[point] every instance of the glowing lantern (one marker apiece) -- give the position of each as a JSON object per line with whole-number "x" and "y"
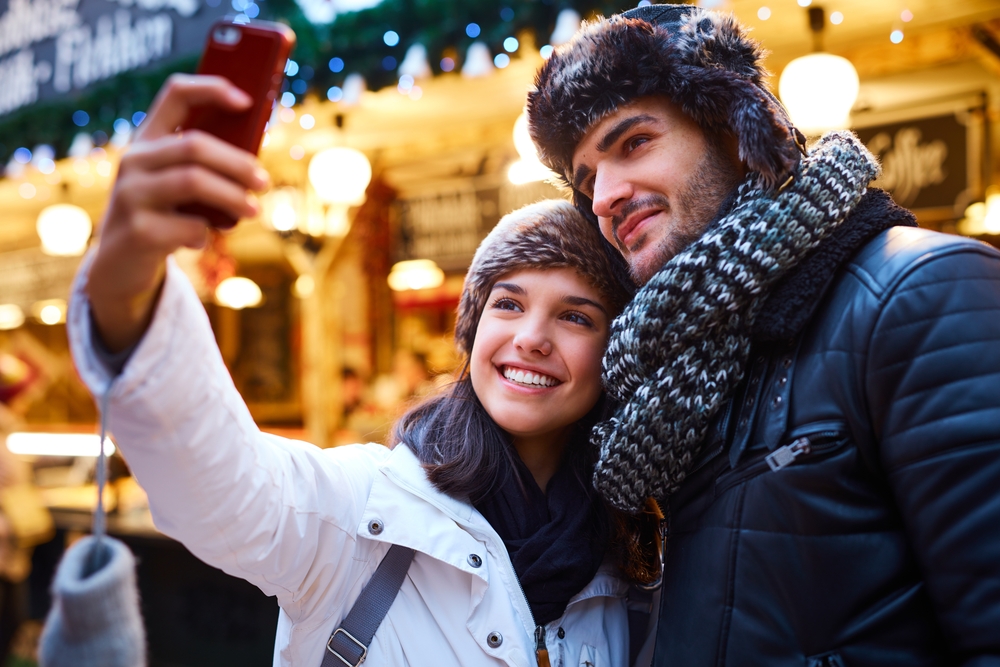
{"x": 415, "y": 274}
{"x": 238, "y": 293}
{"x": 819, "y": 90}
{"x": 528, "y": 168}
{"x": 64, "y": 229}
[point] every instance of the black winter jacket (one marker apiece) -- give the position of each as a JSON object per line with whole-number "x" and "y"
{"x": 872, "y": 535}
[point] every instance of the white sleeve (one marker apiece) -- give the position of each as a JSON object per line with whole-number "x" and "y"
{"x": 279, "y": 513}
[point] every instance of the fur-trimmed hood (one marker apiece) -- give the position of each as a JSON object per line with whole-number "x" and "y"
{"x": 546, "y": 235}
{"x": 702, "y": 60}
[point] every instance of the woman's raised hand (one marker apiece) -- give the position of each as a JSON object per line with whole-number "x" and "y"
{"x": 163, "y": 169}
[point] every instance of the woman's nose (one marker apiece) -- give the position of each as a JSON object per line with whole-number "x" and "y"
{"x": 533, "y": 337}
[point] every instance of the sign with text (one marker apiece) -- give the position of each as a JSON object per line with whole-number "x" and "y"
{"x": 926, "y": 162}
{"x": 448, "y": 224}
{"x": 52, "y": 48}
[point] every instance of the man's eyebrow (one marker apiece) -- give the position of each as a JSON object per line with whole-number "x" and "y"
{"x": 583, "y": 301}
{"x": 607, "y": 141}
{"x": 510, "y": 287}
{"x": 618, "y": 130}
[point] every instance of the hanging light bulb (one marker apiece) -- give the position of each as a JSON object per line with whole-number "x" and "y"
{"x": 415, "y": 274}
{"x": 567, "y": 23}
{"x": 983, "y": 218}
{"x": 354, "y": 87}
{"x": 11, "y": 316}
{"x": 238, "y": 293}
{"x": 340, "y": 175}
{"x": 528, "y": 169}
{"x": 49, "y": 311}
{"x": 478, "y": 61}
{"x": 64, "y": 229}
{"x": 281, "y": 209}
{"x": 415, "y": 62}
{"x": 819, "y": 89}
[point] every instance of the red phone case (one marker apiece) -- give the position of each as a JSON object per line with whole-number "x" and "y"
{"x": 252, "y": 56}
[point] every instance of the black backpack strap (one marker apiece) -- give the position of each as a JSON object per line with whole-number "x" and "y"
{"x": 348, "y": 645}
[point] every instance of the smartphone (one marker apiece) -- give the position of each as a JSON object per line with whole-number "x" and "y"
{"x": 252, "y": 56}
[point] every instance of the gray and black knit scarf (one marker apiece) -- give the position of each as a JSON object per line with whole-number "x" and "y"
{"x": 679, "y": 349}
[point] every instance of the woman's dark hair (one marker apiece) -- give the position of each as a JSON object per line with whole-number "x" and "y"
{"x": 458, "y": 443}
{"x": 464, "y": 451}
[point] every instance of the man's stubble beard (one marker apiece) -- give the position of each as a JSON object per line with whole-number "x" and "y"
{"x": 698, "y": 204}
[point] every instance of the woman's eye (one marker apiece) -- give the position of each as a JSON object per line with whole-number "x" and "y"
{"x": 503, "y": 303}
{"x": 578, "y": 318}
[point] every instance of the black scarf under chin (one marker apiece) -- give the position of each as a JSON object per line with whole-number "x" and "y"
{"x": 555, "y": 538}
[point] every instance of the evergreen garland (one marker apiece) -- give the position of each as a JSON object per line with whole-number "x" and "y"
{"x": 354, "y": 37}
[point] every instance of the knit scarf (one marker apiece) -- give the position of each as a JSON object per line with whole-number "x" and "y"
{"x": 679, "y": 349}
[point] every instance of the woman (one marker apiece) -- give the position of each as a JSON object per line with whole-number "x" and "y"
{"x": 488, "y": 483}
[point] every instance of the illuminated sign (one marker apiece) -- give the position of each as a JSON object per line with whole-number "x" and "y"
{"x": 52, "y": 48}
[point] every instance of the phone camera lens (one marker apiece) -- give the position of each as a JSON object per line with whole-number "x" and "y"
{"x": 228, "y": 35}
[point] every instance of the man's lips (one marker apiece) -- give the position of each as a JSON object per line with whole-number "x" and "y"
{"x": 629, "y": 231}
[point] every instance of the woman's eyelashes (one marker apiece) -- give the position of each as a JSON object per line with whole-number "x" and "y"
{"x": 577, "y": 317}
{"x": 571, "y": 316}
{"x": 505, "y": 303}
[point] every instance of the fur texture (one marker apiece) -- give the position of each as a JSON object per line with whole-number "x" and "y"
{"x": 546, "y": 235}
{"x": 702, "y": 60}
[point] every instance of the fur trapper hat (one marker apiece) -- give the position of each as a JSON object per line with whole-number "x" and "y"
{"x": 549, "y": 234}
{"x": 702, "y": 60}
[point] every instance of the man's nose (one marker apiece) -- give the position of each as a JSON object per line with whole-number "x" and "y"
{"x": 611, "y": 191}
{"x": 533, "y": 337}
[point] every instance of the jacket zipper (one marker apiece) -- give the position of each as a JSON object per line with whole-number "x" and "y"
{"x": 785, "y": 456}
{"x": 810, "y": 443}
{"x": 541, "y": 653}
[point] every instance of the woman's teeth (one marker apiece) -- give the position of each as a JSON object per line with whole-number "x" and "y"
{"x": 525, "y": 377}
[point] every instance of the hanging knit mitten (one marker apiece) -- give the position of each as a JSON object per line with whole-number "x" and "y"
{"x": 95, "y": 619}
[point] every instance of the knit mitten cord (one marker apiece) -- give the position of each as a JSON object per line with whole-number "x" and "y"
{"x": 679, "y": 349}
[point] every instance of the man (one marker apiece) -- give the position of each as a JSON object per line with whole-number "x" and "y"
{"x": 809, "y": 386}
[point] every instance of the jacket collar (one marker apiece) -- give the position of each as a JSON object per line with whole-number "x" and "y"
{"x": 427, "y": 524}
{"x": 795, "y": 298}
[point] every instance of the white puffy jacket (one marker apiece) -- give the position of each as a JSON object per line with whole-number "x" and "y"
{"x": 293, "y": 519}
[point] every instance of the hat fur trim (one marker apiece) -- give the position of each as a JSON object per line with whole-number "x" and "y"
{"x": 549, "y": 234}
{"x": 702, "y": 60}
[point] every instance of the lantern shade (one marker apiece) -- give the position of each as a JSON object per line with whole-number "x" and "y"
{"x": 11, "y": 316}
{"x": 415, "y": 274}
{"x": 64, "y": 229}
{"x": 340, "y": 175}
{"x": 819, "y": 90}
{"x": 529, "y": 168}
{"x": 238, "y": 293}
{"x": 478, "y": 61}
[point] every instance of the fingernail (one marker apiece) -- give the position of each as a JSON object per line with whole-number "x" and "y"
{"x": 241, "y": 96}
{"x": 263, "y": 178}
{"x": 253, "y": 203}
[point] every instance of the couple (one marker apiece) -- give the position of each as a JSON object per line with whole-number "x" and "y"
{"x": 802, "y": 398}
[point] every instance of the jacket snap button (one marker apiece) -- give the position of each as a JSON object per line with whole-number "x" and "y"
{"x": 750, "y": 402}
{"x": 475, "y": 560}
{"x": 561, "y": 634}
{"x": 776, "y": 402}
{"x": 786, "y": 362}
{"x": 375, "y": 527}
{"x": 783, "y": 381}
{"x": 494, "y": 639}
